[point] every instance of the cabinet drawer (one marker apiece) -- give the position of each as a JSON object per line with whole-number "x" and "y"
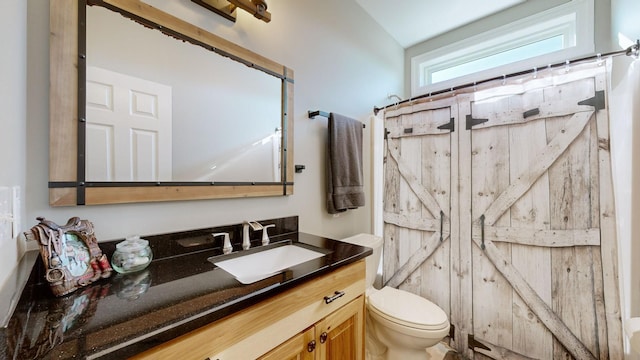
{"x": 255, "y": 330}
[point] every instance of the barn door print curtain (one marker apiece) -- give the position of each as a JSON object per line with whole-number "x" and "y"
{"x": 498, "y": 207}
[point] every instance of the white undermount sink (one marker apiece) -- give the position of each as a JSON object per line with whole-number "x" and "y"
{"x": 260, "y": 265}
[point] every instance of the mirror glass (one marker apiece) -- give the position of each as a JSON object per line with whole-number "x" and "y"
{"x": 162, "y": 109}
{"x": 145, "y": 127}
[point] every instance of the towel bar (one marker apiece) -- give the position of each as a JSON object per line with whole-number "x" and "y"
{"x": 314, "y": 113}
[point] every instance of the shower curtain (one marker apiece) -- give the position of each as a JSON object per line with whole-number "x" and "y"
{"x": 498, "y": 206}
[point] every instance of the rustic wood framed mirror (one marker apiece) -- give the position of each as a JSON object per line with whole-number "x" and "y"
{"x": 74, "y": 177}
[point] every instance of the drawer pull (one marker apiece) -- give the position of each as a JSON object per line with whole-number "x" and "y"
{"x": 336, "y": 295}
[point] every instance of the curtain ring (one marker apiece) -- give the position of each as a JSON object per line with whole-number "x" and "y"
{"x": 398, "y": 99}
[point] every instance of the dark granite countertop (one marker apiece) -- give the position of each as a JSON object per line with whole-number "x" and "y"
{"x": 180, "y": 291}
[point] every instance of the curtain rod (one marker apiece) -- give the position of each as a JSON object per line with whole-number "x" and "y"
{"x": 633, "y": 50}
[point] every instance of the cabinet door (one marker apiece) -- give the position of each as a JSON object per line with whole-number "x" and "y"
{"x": 296, "y": 348}
{"x": 340, "y": 336}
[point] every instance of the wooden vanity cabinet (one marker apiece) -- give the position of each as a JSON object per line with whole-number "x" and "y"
{"x": 284, "y": 326}
{"x": 339, "y": 336}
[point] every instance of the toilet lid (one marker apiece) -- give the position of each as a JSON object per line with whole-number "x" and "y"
{"x": 407, "y": 309}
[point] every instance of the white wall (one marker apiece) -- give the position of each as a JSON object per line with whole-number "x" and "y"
{"x": 625, "y": 132}
{"x": 343, "y": 62}
{"x": 13, "y": 94}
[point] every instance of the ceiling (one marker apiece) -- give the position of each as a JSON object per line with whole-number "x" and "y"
{"x": 414, "y": 21}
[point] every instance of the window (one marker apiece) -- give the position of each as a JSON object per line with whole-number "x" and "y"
{"x": 560, "y": 33}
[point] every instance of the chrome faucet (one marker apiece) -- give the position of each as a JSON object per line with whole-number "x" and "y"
{"x": 246, "y": 239}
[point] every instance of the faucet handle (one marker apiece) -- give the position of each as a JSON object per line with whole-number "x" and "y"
{"x": 226, "y": 247}
{"x": 255, "y": 226}
{"x": 265, "y": 236}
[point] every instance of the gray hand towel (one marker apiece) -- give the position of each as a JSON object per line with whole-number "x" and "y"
{"x": 345, "y": 182}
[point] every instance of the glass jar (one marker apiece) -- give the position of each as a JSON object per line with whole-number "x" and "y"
{"x": 132, "y": 254}
{"x": 132, "y": 286}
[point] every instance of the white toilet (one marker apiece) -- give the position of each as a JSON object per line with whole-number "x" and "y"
{"x": 405, "y": 323}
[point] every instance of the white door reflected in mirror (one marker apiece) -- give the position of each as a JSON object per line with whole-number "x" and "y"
{"x": 128, "y": 132}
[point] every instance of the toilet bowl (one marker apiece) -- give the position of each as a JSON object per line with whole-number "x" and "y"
{"x": 406, "y": 323}
{"x": 400, "y": 325}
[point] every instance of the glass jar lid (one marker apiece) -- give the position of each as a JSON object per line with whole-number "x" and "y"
{"x": 132, "y": 244}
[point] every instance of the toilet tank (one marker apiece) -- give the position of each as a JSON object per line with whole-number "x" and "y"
{"x": 373, "y": 260}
